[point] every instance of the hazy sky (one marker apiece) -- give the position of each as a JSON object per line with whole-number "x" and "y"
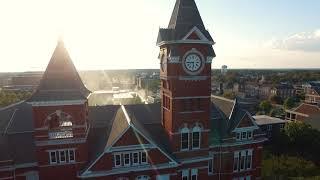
{"x": 105, "y": 34}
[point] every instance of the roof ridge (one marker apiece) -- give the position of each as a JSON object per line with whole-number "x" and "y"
{"x": 222, "y": 98}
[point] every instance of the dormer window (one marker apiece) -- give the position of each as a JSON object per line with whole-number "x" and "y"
{"x": 244, "y": 135}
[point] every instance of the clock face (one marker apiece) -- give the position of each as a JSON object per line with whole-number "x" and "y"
{"x": 193, "y": 62}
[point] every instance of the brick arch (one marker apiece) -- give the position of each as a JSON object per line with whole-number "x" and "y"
{"x": 58, "y": 119}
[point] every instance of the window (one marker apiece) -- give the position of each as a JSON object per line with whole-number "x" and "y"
{"x": 249, "y": 134}
{"x": 62, "y": 156}
{"x": 185, "y": 139}
{"x": 135, "y": 158}
{"x": 194, "y": 174}
{"x": 117, "y": 160}
{"x": 185, "y": 174}
{"x": 281, "y": 126}
{"x": 53, "y": 157}
{"x": 210, "y": 166}
{"x": 143, "y": 177}
{"x": 244, "y": 135}
{"x": 238, "y": 137}
{"x": 187, "y": 104}
{"x": 269, "y": 127}
{"x": 196, "y": 137}
{"x": 249, "y": 159}
{"x": 242, "y": 160}
{"x": 71, "y": 155}
{"x": 130, "y": 158}
{"x": 199, "y": 104}
{"x": 126, "y": 159}
{"x": 143, "y": 157}
{"x": 236, "y": 161}
{"x": 293, "y": 116}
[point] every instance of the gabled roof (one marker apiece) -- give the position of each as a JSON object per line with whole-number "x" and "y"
{"x": 16, "y": 133}
{"x": 185, "y": 16}
{"x": 16, "y": 118}
{"x": 224, "y": 104}
{"x": 61, "y": 80}
{"x": 308, "y": 109}
{"x": 226, "y": 115}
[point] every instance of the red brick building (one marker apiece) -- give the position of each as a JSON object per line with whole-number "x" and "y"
{"x": 189, "y": 136}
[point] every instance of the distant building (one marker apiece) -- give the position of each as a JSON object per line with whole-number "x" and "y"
{"x": 270, "y": 125}
{"x": 27, "y": 81}
{"x": 224, "y": 69}
{"x": 283, "y": 90}
{"x": 302, "y": 112}
{"x": 312, "y": 92}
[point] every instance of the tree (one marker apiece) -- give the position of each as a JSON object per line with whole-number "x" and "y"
{"x": 277, "y": 112}
{"x": 288, "y": 103}
{"x": 265, "y": 106}
{"x": 275, "y": 99}
{"x": 288, "y": 167}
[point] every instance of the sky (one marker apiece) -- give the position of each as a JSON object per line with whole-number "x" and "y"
{"x": 122, "y": 34}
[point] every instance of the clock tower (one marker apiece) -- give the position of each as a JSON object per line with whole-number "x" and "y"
{"x": 185, "y": 57}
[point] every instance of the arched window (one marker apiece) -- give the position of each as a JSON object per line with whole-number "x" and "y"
{"x": 60, "y": 125}
{"x": 143, "y": 177}
{"x": 184, "y": 138}
{"x": 196, "y": 137}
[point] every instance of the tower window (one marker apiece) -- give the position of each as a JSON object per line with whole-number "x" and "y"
{"x": 62, "y": 156}
{"x": 194, "y": 174}
{"x": 185, "y": 174}
{"x": 185, "y": 139}
{"x": 196, "y": 137}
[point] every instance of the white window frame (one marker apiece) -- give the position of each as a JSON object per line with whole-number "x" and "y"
{"x": 251, "y": 134}
{"x": 194, "y": 172}
{"x": 245, "y": 135}
{"x": 124, "y": 159}
{"x": 65, "y": 156}
{"x": 71, "y": 151}
{"x": 185, "y": 174}
{"x": 238, "y": 136}
{"x": 146, "y": 155}
{"x": 138, "y": 158}
{"x": 243, "y": 163}
{"x": 55, "y": 156}
{"x": 115, "y": 160}
{"x": 211, "y": 163}
{"x": 143, "y": 177}
{"x": 196, "y": 129}
{"x": 269, "y": 127}
{"x": 249, "y": 154}
{"x": 184, "y": 131}
{"x": 236, "y": 160}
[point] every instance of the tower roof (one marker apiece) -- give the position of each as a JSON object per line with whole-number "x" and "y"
{"x": 61, "y": 80}
{"x": 185, "y": 16}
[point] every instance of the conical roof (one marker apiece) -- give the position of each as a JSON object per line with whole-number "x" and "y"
{"x": 184, "y": 17}
{"x": 61, "y": 80}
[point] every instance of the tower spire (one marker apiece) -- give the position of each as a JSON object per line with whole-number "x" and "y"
{"x": 60, "y": 80}
{"x": 185, "y": 16}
